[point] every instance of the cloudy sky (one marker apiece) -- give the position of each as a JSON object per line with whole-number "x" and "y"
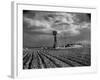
{"x": 71, "y": 27}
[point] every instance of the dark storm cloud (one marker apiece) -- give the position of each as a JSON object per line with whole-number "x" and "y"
{"x": 81, "y": 17}
{"x": 28, "y": 13}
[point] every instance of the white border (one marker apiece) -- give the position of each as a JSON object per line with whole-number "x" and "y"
{"x": 17, "y": 70}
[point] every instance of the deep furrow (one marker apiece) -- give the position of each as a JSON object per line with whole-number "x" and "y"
{"x": 48, "y": 62}
{"x": 67, "y": 61}
{"x": 56, "y": 61}
{"x": 25, "y": 59}
{"x": 43, "y": 62}
{"x": 80, "y": 57}
{"x": 78, "y": 61}
{"x": 35, "y": 61}
{"x": 30, "y": 63}
{"x": 25, "y": 54}
{"x": 40, "y": 61}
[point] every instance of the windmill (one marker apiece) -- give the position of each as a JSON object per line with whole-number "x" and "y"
{"x": 55, "y": 38}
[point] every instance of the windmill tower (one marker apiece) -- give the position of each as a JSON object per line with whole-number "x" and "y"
{"x": 55, "y": 38}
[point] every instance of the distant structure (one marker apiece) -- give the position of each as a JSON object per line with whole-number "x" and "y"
{"x": 55, "y": 38}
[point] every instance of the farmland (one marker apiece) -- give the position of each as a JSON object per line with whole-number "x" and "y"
{"x": 37, "y": 58}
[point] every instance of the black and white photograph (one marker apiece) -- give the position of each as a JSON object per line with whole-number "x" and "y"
{"x": 53, "y": 40}
{"x": 56, "y": 39}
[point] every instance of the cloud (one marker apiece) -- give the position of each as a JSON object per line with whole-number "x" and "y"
{"x": 35, "y": 22}
{"x": 46, "y": 22}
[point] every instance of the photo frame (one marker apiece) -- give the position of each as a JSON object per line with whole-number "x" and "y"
{"x": 34, "y": 29}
